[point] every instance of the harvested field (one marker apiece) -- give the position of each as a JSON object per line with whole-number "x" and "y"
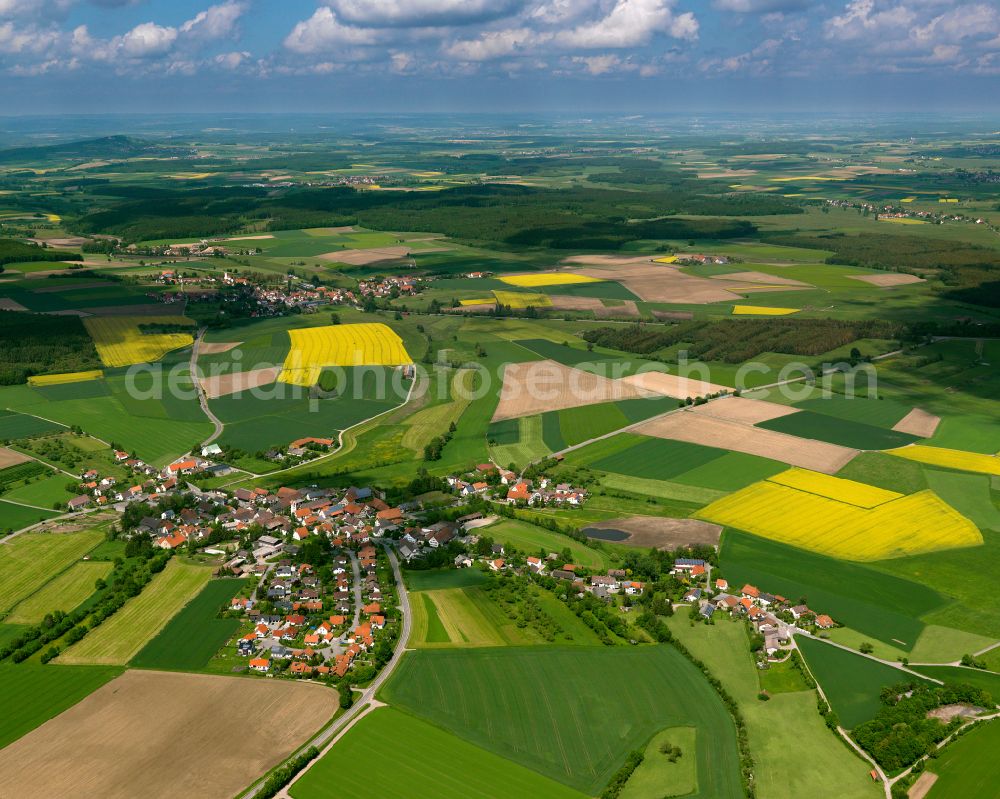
{"x": 711, "y": 432}
{"x": 922, "y": 786}
{"x": 760, "y": 277}
{"x": 888, "y": 279}
{"x": 215, "y": 347}
{"x": 747, "y": 411}
{"x": 672, "y": 385}
{"x": 251, "y": 238}
{"x": 564, "y": 302}
{"x": 662, "y": 283}
{"x": 9, "y": 457}
{"x": 627, "y": 310}
{"x": 7, "y": 304}
{"x": 374, "y": 255}
{"x": 129, "y": 723}
{"x": 224, "y": 385}
{"x": 607, "y": 260}
{"x": 656, "y": 531}
{"x": 918, "y": 423}
{"x": 540, "y": 386}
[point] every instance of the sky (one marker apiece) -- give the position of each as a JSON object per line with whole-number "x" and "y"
{"x": 666, "y": 56}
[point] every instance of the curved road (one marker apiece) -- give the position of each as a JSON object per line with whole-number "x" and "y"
{"x": 364, "y": 704}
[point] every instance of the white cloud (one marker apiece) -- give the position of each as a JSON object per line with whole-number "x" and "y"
{"x": 147, "y": 39}
{"x": 216, "y": 22}
{"x": 233, "y": 60}
{"x": 495, "y": 44}
{"x": 323, "y": 31}
{"x": 759, "y": 6}
{"x": 861, "y": 19}
{"x": 632, "y": 23}
{"x": 407, "y": 13}
{"x": 599, "y": 64}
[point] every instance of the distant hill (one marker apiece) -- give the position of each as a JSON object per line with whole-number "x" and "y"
{"x": 111, "y": 147}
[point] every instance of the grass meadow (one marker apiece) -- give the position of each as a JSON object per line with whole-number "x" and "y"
{"x": 429, "y": 763}
{"x": 31, "y": 695}
{"x": 117, "y": 640}
{"x": 15, "y": 517}
{"x": 968, "y": 767}
{"x": 29, "y": 561}
{"x": 531, "y": 539}
{"x": 190, "y": 638}
{"x": 524, "y": 704}
{"x": 64, "y": 592}
{"x": 784, "y": 732}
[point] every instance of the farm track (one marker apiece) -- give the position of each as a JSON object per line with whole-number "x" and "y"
{"x": 202, "y": 399}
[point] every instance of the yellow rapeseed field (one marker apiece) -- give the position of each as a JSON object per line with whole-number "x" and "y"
{"x": 547, "y": 279}
{"x": 759, "y": 310}
{"x": 120, "y": 341}
{"x": 913, "y": 524}
{"x": 522, "y": 299}
{"x": 65, "y": 377}
{"x": 667, "y": 259}
{"x": 363, "y": 344}
{"x": 483, "y": 301}
{"x": 950, "y": 458}
{"x": 850, "y": 491}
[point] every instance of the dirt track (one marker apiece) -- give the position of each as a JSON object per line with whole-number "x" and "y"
{"x": 156, "y": 734}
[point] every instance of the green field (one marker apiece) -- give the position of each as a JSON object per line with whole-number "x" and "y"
{"x": 987, "y": 680}
{"x": 435, "y": 631}
{"x": 783, "y": 732}
{"x": 852, "y": 683}
{"x": 782, "y": 678}
{"x": 969, "y": 494}
{"x": 657, "y": 776}
{"x": 31, "y": 695}
{"x": 886, "y": 471}
{"x": 21, "y": 425}
{"x": 29, "y": 561}
{"x": 658, "y": 459}
{"x": 731, "y": 472}
{"x": 119, "y": 639}
{"x": 846, "y": 432}
{"x": 191, "y": 637}
{"x": 425, "y": 763}
{"x": 855, "y": 595}
{"x": 969, "y": 767}
{"x": 436, "y": 579}
{"x": 945, "y": 644}
{"x": 64, "y": 592}
{"x": 528, "y": 445}
{"x": 15, "y": 517}
{"x": 531, "y": 539}
{"x": 42, "y": 493}
{"x": 882, "y": 413}
{"x": 524, "y": 704}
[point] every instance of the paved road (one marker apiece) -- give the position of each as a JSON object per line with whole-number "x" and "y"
{"x": 367, "y": 701}
{"x": 356, "y": 569}
{"x": 202, "y": 399}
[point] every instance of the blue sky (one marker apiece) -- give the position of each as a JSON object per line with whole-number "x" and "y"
{"x": 498, "y": 55}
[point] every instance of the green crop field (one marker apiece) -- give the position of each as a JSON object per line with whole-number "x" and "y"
{"x": 886, "y": 471}
{"x": 21, "y": 425}
{"x": 190, "y": 638}
{"x": 117, "y": 640}
{"x": 854, "y": 595}
{"x": 851, "y": 682}
{"x": 29, "y": 561}
{"x": 878, "y": 412}
{"x": 658, "y": 459}
{"x": 64, "y": 592}
{"x": 566, "y": 354}
{"x": 528, "y": 446}
{"x": 431, "y": 764}
{"x": 427, "y": 621}
{"x": 784, "y": 732}
{"x": 946, "y": 644}
{"x": 42, "y": 493}
{"x": 19, "y": 474}
{"x": 531, "y": 540}
{"x": 987, "y": 680}
{"x": 31, "y": 695}
{"x": 969, "y": 494}
{"x": 731, "y": 472}
{"x": 524, "y": 704}
{"x": 506, "y": 431}
{"x": 14, "y": 517}
{"x": 436, "y": 579}
{"x": 846, "y": 432}
{"x": 968, "y": 768}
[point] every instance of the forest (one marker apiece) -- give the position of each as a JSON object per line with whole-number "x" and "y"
{"x": 13, "y": 251}
{"x": 969, "y": 273}
{"x": 513, "y": 215}
{"x": 33, "y": 344}
{"x": 736, "y": 340}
